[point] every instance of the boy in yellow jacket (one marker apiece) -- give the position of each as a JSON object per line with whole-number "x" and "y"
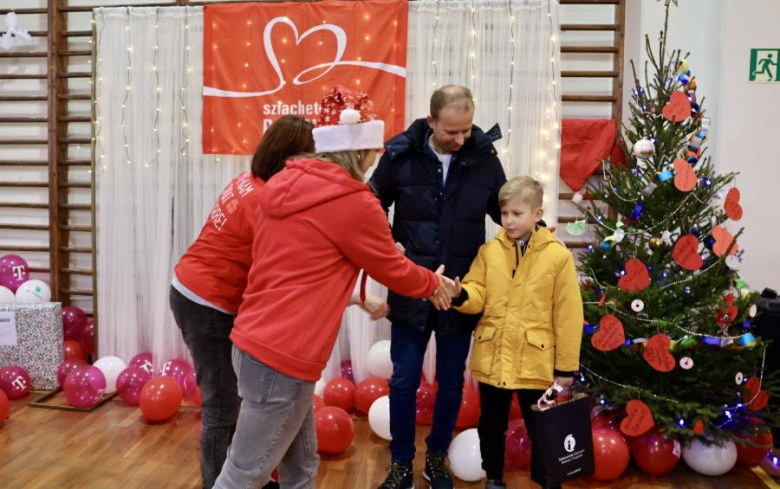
{"x": 525, "y": 285}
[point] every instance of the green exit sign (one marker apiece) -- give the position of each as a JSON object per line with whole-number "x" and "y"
{"x": 764, "y": 66}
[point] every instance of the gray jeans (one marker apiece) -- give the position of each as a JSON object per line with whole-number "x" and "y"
{"x": 275, "y": 428}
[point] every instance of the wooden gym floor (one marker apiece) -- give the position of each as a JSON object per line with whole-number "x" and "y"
{"x": 114, "y": 446}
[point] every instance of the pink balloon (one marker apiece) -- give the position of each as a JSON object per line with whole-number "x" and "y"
{"x": 130, "y": 383}
{"x": 88, "y": 338}
{"x": 178, "y": 369}
{"x": 144, "y": 361}
{"x": 73, "y": 322}
{"x": 84, "y": 386}
{"x": 15, "y": 382}
{"x": 14, "y": 271}
{"x": 517, "y": 454}
{"x": 192, "y": 391}
{"x": 67, "y": 366}
{"x": 346, "y": 370}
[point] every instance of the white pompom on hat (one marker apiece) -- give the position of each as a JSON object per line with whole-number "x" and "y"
{"x": 347, "y": 122}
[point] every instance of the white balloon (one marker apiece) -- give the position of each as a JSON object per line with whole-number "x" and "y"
{"x": 465, "y": 457}
{"x": 710, "y": 460}
{"x": 379, "y": 417}
{"x": 379, "y": 362}
{"x": 33, "y": 292}
{"x": 111, "y": 368}
{"x": 6, "y": 295}
{"x": 319, "y": 387}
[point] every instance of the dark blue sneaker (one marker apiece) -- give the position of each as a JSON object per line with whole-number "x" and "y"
{"x": 401, "y": 476}
{"x": 436, "y": 471}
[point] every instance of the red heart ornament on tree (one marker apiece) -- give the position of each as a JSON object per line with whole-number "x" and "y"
{"x": 759, "y": 401}
{"x": 732, "y": 206}
{"x": 657, "y": 353}
{"x": 678, "y": 109}
{"x": 636, "y": 278}
{"x": 752, "y": 386}
{"x": 686, "y": 253}
{"x": 639, "y": 419}
{"x": 610, "y": 334}
{"x": 723, "y": 240}
{"x": 685, "y": 178}
{"x": 698, "y": 428}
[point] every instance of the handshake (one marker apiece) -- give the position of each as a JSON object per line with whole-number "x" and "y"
{"x": 445, "y": 292}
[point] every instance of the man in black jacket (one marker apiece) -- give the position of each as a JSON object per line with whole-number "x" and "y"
{"x": 443, "y": 176}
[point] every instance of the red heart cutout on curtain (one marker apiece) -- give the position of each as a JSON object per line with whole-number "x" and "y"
{"x": 657, "y": 353}
{"x": 610, "y": 334}
{"x": 685, "y": 178}
{"x": 679, "y": 108}
{"x": 686, "y": 253}
{"x": 639, "y": 419}
{"x": 636, "y": 278}
{"x": 732, "y": 206}
{"x": 723, "y": 240}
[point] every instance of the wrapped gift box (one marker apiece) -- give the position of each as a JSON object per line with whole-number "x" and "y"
{"x": 38, "y": 341}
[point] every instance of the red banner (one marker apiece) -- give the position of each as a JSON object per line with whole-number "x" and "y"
{"x": 265, "y": 60}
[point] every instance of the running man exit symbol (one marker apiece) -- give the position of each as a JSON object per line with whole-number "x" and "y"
{"x": 764, "y": 66}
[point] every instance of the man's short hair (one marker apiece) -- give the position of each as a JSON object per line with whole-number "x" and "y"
{"x": 451, "y": 96}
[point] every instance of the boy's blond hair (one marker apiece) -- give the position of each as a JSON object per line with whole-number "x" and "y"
{"x": 529, "y": 191}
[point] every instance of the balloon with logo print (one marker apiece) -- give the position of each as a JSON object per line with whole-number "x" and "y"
{"x": 15, "y": 382}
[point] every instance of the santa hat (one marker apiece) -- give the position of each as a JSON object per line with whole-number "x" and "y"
{"x": 347, "y": 122}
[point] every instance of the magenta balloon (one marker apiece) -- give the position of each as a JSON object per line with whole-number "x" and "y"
{"x": 14, "y": 271}
{"x": 73, "y": 322}
{"x": 66, "y": 367}
{"x": 346, "y": 370}
{"x": 88, "y": 338}
{"x": 15, "y": 382}
{"x": 143, "y": 360}
{"x": 84, "y": 386}
{"x": 178, "y": 369}
{"x": 130, "y": 383}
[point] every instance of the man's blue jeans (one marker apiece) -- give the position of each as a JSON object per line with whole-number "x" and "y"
{"x": 407, "y": 350}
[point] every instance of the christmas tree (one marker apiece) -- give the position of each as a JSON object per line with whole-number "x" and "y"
{"x": 668, "y": 319}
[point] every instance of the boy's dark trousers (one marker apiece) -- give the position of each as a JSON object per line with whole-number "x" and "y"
{"x": 494, "y": 420}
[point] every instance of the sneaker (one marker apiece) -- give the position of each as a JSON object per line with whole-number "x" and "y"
{"x": 436, "y": 471}
{"x": 495, "y": 484}
{"x": 401, "y": 476}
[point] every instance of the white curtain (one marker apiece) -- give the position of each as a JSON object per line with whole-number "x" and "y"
{"x": 154, "y": 187}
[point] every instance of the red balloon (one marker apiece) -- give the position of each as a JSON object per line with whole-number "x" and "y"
{"x": 335, "y": 430}
{"x": 160, "y": 398}
{"x": 84, "y": 386}
{"x": 339, "y": 392}
{"x": 517, "y": 452}
{"x": 426, "y": 398}
{"x": 4, "y": 407}
{"x": 66, "y": 367}
{"x": 514, "y": 411}
{"x": 468, "y": 417}
{"x": 369, "y": 391}
{"x": 191, "y": 388}
{"x": 610, "y": 453}
{"x": 753, "y": 455}
{"x": 318, "y": 402}
{"x": 15, "y": 381}
{"x": 73, "y": 349}
{"x": 654, "y": 454}
{"x": 73, "y": 322}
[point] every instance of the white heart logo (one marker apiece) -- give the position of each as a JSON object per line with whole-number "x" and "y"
{"x": 341, "y": 46}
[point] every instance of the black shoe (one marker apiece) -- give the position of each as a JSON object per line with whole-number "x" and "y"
{"x": 271, "y": 485}
{"x": 401, "y": 476}
{"x": 436, "y": 471}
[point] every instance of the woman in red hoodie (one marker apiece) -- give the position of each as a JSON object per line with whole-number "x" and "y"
{"x": 209, "y": 281}
{"x": 317, "y": 225}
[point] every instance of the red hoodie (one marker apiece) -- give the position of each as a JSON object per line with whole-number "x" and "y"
{"x": 216, "y": 265}
{"x": 316, "y": 228}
